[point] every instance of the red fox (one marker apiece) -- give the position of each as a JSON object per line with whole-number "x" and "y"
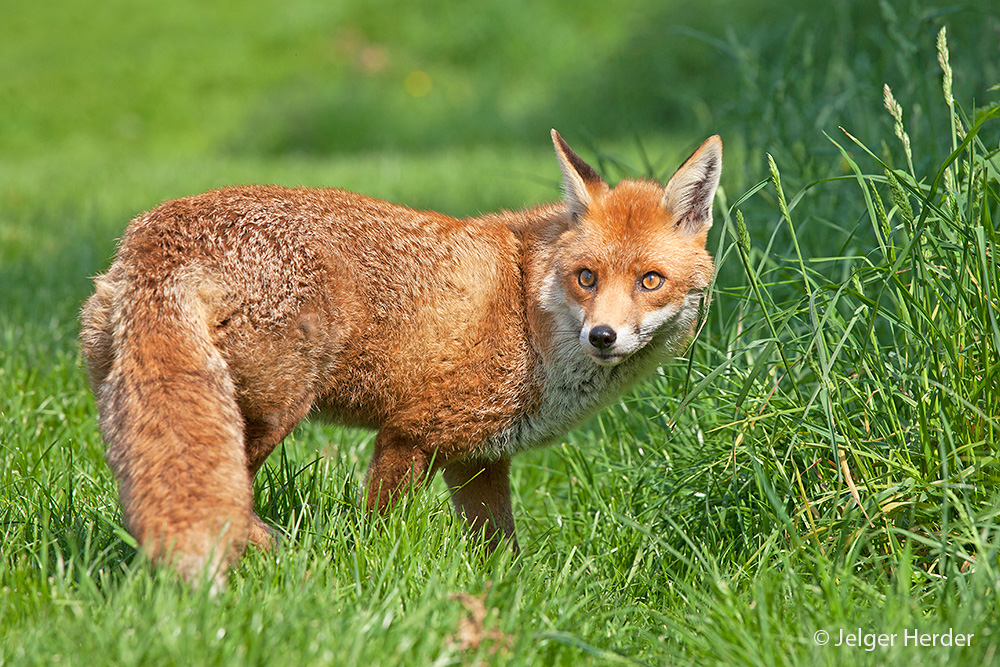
{"x": 228, "y": 317}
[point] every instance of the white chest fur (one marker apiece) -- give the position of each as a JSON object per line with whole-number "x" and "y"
{"x": 574, "y": 387}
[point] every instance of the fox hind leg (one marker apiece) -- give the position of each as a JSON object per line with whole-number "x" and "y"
{"x": 263, "y": 434}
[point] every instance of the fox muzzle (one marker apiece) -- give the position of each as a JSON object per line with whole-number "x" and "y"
{"x": 602, "y": 337}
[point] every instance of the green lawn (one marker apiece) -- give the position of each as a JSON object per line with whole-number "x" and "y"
{"x": 823, "y": 458}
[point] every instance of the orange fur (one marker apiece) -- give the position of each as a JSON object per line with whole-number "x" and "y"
{"x": 226, "y": 318}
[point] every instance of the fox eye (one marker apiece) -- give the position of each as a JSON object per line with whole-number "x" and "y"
{"x": 586, "y": 278}
{"x": 651, "y": 281}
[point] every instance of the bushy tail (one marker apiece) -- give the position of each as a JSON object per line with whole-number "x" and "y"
{"x": 173, "y": 430}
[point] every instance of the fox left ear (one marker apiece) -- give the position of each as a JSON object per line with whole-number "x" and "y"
{"x": 580, "y": 182}
{"x": 691, "y": 190}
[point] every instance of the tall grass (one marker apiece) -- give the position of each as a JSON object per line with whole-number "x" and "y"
{"x": 847, "y": 402}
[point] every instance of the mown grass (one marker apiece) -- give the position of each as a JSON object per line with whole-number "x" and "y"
{"x": 823, "y": 457}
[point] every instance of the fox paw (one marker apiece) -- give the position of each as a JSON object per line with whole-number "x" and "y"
{"x": 262, "y": 535}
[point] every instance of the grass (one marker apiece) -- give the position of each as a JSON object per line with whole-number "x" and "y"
{"x": 822, "y": 459}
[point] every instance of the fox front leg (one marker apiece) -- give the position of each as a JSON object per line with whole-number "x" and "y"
{"x": 398, "y": 463}
{"x": 480, "y": 490}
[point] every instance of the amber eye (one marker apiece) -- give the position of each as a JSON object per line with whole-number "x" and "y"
{"x": 586, "y": 278}
{"x": 652, "y": 281}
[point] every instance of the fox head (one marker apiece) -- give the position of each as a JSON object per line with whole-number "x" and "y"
{"x": 630, "y": 267}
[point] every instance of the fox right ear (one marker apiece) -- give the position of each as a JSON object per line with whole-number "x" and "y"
{"x": 691, "y": 191}
{"x": 580, "y": 181}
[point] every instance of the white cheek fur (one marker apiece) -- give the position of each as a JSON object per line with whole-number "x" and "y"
{"x": 673, "y": 321}
{"x": 657, "y": 319}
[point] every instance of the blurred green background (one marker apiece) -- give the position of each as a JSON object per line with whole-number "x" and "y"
{"x": 91, "y": 90}
{"x": 274, "y": 78}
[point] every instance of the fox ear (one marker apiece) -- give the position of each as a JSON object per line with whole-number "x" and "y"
{"x": 691, "y": 190}
{"x": 580, "y": 181}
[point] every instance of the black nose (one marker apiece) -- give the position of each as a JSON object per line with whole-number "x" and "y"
{"x": 602, "y": 337}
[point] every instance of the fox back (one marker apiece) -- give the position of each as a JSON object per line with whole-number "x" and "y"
{"x": 228, "y": 317}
